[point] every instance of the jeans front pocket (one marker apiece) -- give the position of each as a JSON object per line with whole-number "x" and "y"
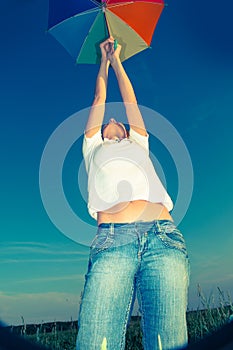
{"x": 103, "y": 240}
{"x": 171, "y": 237}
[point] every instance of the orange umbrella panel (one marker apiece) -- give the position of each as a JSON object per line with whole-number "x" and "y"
{"x": 141, "y": 16}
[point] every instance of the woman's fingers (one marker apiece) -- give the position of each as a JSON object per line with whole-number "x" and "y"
{"x": 107, "y": 49}
{"x": 107, "y": 41}
{"x": 118, "y": 49}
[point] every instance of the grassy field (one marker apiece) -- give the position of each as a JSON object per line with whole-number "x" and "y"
{"x": 201, "y": 322}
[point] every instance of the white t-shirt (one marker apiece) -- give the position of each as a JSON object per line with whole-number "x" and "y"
{"x": 121, "y": 171}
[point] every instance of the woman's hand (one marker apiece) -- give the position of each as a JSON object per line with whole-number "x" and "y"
{"x": 106, "y": 48}
{"x": 114, "y": 55}
{"x": 108, "y": 52}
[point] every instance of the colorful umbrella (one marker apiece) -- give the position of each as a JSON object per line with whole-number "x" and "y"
{"x": 81, "y": 25}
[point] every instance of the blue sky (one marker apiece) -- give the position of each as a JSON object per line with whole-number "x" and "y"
{"x": 187, "y": 77}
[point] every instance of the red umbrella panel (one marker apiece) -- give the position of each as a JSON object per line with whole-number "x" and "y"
{"x": 132, "y": 23}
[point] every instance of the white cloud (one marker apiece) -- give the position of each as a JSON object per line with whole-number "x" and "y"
{"x": 33, "y": 252}
{"x": 64, "y": 278}
{"x": 41, "y": 260}
{"x": 41, "y": 247}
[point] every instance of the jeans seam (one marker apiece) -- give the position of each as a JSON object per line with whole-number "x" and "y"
{"x": 142, "y": 310}
{"x": 126, "y": 319}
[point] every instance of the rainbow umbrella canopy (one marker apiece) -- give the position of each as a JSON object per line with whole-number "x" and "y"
{"x": 81, "y": 25}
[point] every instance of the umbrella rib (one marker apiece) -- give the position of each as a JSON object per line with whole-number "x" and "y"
{"x": 131, "y": 2}
{"x": 77, "y": 15}
{"x": 96, "y": 3}
{"x": 120, "y": 4}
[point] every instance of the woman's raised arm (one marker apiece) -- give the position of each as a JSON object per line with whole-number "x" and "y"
{"x": 127, "y": 92}
{"x": 96, "y": 114}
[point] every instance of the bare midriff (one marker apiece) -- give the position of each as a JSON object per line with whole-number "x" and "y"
{"x": 139, "y": 210}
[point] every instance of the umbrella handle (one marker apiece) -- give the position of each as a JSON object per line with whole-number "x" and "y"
{"x": 115, "y": 44}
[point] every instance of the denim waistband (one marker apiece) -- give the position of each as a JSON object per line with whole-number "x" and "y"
{"x": 136, "y": 223}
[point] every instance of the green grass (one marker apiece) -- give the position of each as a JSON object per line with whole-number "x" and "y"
{"x": 201, "y": 322}
{"x": 208, "y": 318}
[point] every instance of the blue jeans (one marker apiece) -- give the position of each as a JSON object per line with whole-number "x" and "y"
{"x": 147, "y": 258}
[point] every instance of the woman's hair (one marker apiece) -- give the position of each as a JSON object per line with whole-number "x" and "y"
{"x": 124, "y": 126}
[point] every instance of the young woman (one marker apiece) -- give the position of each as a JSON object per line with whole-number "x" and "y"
{"x": 137, "y": 250}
